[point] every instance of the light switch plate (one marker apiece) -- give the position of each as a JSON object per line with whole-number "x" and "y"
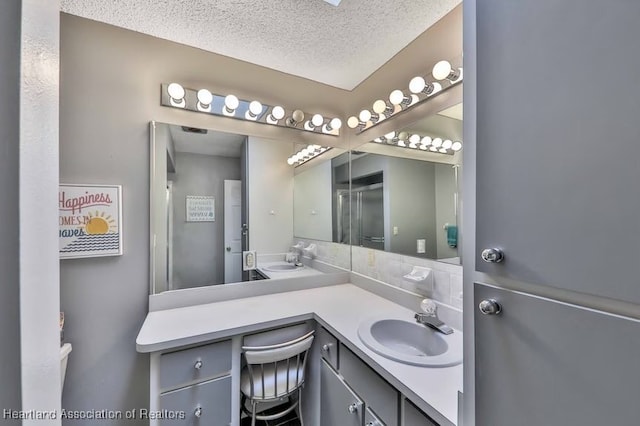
{"x": 249, "y": 260}
{"x": 395, "y": 230}
{"x": 422, "y": 246}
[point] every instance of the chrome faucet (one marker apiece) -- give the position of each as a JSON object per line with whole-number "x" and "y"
{"x": 430, "y": 317}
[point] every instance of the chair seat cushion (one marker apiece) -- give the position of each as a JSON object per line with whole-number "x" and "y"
{"x": 271, "y": 380}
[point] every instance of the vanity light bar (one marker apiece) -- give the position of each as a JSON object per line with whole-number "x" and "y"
{"x": 306, "y": 154}
{"x": 175, "y": 95}
{"x": 443, "y": 76}
{"x": 422, "y": 143}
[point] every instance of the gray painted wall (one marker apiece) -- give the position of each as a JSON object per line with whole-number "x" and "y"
{"x": 445, "y": 208}
{"x": 412, "y": 201}
{"x": 198, "y": 247}
{"x": 9, "y": 232}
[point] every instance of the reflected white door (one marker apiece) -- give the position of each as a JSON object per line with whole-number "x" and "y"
{"x": 232, "y": 231}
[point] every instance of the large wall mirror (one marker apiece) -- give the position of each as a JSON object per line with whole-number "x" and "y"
{"x": 406, "y": 192}
{"x": 215, "y": 195}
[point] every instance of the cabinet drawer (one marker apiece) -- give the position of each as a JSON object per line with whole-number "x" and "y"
{"x": 328, "y": 347}
{"x": 414, "y": 417}
{"x": 373, "y": 389}
{"x": 195, "y": 364}
{"x": 212, "y": 399}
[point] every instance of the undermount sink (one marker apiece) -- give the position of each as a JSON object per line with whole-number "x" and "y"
{"x": 411, "y": 343}
{"x": 283, "y": 267}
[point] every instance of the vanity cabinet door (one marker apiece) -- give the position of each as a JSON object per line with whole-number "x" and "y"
{"x": 328, "y": 347}
{"x": 338, "y": 404}
{"x": 376, "y": 392}
{"x": 414, "y": 417}
{"x": 557, "y": 144}
{"x": 542, "y": 362}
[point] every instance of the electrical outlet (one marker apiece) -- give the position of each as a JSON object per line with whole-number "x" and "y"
{"x": 422, "y": 246}
{"x": 395, "y": 230}
{"x": 372, "y": 258}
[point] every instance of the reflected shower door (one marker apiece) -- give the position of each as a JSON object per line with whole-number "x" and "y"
{"x": 368, "y": 225}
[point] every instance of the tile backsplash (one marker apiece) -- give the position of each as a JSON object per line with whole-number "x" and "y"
{"x": 390, "y": 268}
{"x": 328, "y": 252}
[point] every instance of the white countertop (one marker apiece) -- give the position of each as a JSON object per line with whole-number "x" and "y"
{"x": 339, "y": 308}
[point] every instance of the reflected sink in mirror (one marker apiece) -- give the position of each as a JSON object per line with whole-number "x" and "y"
{"x": 411, "y": 343}
{"x": 285, "y": 267}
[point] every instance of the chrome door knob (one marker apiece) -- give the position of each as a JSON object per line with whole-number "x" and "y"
{"x": 326, "y": 347}
{"x": 492, "y": 255}
{"x": 197, "y": 365}
{"x": 198, "y": 412}
{"x": 490, "y": 307}
{"x": 353, "y": 408}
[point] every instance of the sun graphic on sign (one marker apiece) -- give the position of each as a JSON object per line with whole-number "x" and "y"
{"x": 98, "y": 224}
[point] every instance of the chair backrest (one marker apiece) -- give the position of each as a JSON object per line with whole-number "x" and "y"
{"x": 274, "y": 362}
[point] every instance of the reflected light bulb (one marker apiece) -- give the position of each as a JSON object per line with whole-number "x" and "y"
{"x": 297, "y": 115}
{"x": 426, "y": 141}
{"x": 290, "y": 161}
{"x": 336, "y": 123}
{"x": 317, "y": 120}
{"x": 447, "y": 144}
{"x": 433, "y": 148}
{"x": 353, "y": 122}
{"x": 365, "y": 115}
{"x": 437, "y": 142}
{"x": 441, "y": 70}
{"x": 379, "y": 106}
{"x": 403, "y": 136}
{"x": 396, "y": 97}
{"x": 390, "y": 135}
{"x": 456, "y": 146}
{"x": 417, "y": 84}
{"x": 442, "y": 150}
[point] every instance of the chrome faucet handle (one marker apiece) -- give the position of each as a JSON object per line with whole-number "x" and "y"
{"x": 429, "y": 307}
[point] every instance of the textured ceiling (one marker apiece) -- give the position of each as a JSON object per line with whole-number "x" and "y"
{"x": 339, "y": 46}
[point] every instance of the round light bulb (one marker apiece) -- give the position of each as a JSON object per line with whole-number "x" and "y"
{"x": 441, "y": 70}
{"x": 442, "y": 150}
{"x": 205, "y": 97}
{"x": 447, "y": 144}
{"x": 403, "y": 136}
{"x": 378, "y": 140}
{"x": 353, "y": 122}
{"x": 290, "y": 161}
{"x": 401, "y": 143}
{"x": 336, "y": 123}
{"x": 317, "y": 120}
{"x": 379, "y": 106}
{"x": 390, "y": 135}
{"x": 277, "y": 112}
{"x": 297, "y": 116}
{"x": 176, "y": 91}
{"x": 396, "y": 97}
{"x": 423, "y": 147}
{"x": 437, "y": 142}
{"x": 365, "y": 115}
{"x": 414, "y": 139}
{"x": 255, "y": 107}
{"x": 433, "y": 148}
{"x": 426, "y": 141}
{"x": 456, "y": 146}
{"x": 231, "y": 102}
{"x": 417, "y": 84}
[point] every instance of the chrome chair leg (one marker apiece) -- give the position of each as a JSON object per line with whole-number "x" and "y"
{"x": 300, "y": 406}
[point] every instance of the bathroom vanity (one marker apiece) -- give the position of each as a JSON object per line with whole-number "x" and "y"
{"x": 196, "y": 361}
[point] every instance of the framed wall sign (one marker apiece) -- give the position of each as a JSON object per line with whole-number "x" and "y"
{"x": 90, "y": 219}
{"x": 201, "y": 208}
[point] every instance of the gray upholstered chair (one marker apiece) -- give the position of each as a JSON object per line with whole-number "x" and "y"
{"x": 273, "y": 373}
